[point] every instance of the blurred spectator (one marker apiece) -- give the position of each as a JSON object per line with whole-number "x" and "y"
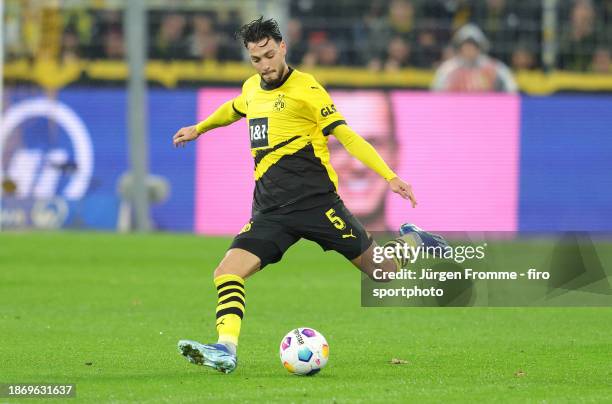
{"x": 456, "y": 12}
{"x": 31, "y": 28}
{"x": 376, "y": 12}
{"x": 204, "y": 40}
{"x": 426, "y": 53}
{"x": 79, "y": 23}
{"x": 170, "y": 41}
{"x": 402, "y": 17}
{"x": 322, "y": 52}
{"x": 297, "y": 46}
{"x": 114, "y": 44}
{"x": 578, "y": 38}
{"x": 471, "y": 69}
{"x": 70, "y": 47}
{"x": 108, "y": 37}
{"x": 312, "y": 9}
{"x": 399, "y": 22}
{"x": 607, "y": 19}
{"x": 228, "y": 24}
{"x": 398, "y": 54}
{"x": 496, "y": 19}
{"x": 327, "y": 54}
{"x": 602, "y": 61}
{"x": 523, "y": 58}
{"x": 51, "y": 30}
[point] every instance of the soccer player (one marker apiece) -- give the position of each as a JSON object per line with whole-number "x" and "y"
{"x": 290, "y": 116}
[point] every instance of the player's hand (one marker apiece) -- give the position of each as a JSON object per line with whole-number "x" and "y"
{"x": 184, "y": 135}
{"x": 403, "y": 189}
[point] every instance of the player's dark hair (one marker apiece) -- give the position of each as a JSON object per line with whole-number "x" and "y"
{"x": 258, "y": 30}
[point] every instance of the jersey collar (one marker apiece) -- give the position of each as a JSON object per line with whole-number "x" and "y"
{"x": 267, "y": 87}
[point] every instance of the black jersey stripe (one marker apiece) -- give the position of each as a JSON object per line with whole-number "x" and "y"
{"x": 285, "y": 182}
{"x": 264, "y": 152}
{"x": 242, "y": 114}
{"x": 328, "y": 129}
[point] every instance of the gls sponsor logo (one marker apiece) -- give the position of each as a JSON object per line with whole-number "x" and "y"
{"x": 35, "y": 171}
{"x": 328, "y": 110}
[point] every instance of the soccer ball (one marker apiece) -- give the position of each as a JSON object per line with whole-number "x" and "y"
{"x": 304, "y": 351}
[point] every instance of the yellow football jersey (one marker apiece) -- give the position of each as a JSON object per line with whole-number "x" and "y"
{"x": 288, "y": 127}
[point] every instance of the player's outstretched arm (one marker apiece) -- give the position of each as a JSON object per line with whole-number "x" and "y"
{"x": 225, "y": 115}
{"x": 359, "y": 148}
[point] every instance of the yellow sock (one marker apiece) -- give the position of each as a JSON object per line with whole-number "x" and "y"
{"x": 230, "y": 307}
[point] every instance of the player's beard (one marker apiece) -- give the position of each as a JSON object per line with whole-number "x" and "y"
{"x": 275, "y": 82}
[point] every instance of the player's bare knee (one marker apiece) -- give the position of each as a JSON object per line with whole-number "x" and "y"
{"x": 238, "y": 262}
{"x": 241, "y": 271}
{"x": 221, "y": 270}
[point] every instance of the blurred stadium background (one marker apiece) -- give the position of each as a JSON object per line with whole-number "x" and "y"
{"x": 77, "y": 142}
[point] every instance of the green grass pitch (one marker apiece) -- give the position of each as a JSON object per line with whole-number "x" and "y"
{"x": 105, "y": 311}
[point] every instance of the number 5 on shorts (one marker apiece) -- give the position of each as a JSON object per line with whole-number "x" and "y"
{"x": 336, "y": 221}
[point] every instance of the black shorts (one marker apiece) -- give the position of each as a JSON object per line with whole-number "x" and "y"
{"x": 332, "y": 226}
